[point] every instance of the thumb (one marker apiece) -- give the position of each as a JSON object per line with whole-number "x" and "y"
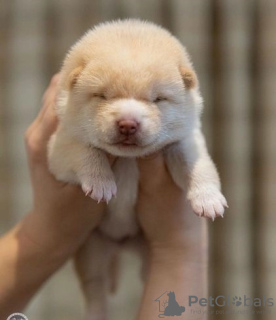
{"x": 152, "y": 170}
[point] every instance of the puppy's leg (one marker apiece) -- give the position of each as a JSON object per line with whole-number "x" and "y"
{"x": 121, "y": 221}
{"x": 73, "y": 162}
{"x": 92, "y": 263}
{"x": 189, "y": 158}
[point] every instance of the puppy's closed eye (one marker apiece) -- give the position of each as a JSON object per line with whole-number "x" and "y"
{"x": 159, "y": 99}
{"x": 99, "y": 95}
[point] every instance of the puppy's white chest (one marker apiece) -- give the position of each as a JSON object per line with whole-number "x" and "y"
{"x": 120, "y": 219}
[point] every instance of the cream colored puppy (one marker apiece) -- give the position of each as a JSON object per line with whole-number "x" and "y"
{"x": 128, "y": 88}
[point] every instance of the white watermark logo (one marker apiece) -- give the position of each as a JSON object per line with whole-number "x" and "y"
{"x": 17, "y": 316}
{"x": 226, "y": 301}
{"x": 169, "y": 305}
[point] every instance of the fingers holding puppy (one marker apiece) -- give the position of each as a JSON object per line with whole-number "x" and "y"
{"x": 153, "y": 172}
{"x": 39, "y": 132}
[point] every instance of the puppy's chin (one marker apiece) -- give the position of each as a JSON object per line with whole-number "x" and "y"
{"x": 128, "y": 150}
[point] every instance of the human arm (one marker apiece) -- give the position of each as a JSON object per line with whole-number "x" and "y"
{"x": 177, "y": 239}
{"x": 58, "y": 223}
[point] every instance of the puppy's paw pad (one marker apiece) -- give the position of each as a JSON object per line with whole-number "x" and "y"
{"x": 208, "y": 202}
{"x": 100, "y": 190}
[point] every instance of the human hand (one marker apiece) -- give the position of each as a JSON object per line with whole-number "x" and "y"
{"x": 163, "y": 211}
{"x": 62, "y": 216}
{"x": 177, "y": 239}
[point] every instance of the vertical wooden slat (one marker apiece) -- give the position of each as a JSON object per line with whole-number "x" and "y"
{"x": 52, "y": 63}
{"x": 167, "y": 15}
{"x": 5, "y": 160}
{"x": 264, "y": 151}
{"x": 255, "y": 159}
{"x": 217, "y": 259}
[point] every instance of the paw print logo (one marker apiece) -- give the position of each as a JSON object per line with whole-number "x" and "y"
{"x": 237, "y": 301}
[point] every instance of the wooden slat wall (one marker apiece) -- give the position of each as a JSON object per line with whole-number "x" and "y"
{"x": 232, "y": 260}
{"x": 264, "y": 151}
{"x": 233, "y": 47}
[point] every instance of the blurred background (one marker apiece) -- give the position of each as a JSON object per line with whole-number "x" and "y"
{"x": 233, "y": 47}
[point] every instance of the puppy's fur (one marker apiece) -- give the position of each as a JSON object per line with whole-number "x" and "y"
{"x": 128, "y": 88}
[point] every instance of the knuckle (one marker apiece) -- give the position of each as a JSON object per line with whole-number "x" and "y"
{"x": 55, "y": 80}
{"x": 34, "y": 150}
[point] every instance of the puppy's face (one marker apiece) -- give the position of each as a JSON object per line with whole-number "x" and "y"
{"x": 131, "y": 108}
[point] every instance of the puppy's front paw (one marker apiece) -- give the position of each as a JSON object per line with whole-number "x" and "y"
{"x": 207, "y": 201}
{"x": 101, "y": 188}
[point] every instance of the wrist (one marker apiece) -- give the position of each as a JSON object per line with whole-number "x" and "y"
{"x": 167, "y": 254}
{"x": 57, "y": 240}
{"x": 39, "y": 241}
{"x": 177, "y": 253}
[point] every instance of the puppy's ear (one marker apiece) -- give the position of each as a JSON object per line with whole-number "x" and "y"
{"x": 189, "y": 78}
{"x": 73, "y": 76}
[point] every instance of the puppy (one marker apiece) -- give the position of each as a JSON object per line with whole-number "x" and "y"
{"x": 128, "y": 88}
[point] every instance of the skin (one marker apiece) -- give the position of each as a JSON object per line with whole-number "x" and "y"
{"x": 177, "y": 239}
{"x": 62, "y": 217}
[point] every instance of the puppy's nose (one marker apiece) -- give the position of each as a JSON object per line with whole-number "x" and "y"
{"x": 127, "y": 127}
